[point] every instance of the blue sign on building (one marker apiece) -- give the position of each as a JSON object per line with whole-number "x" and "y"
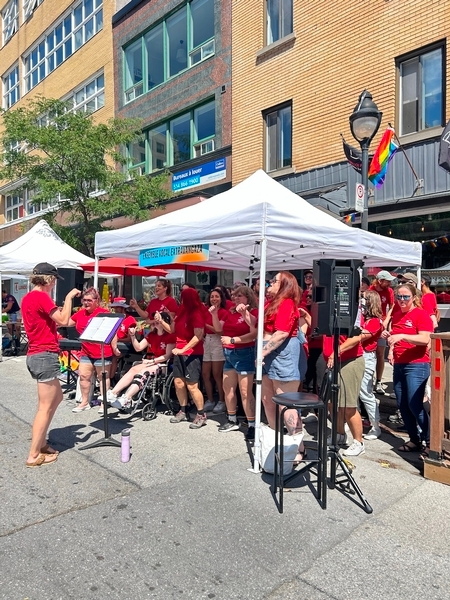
{"x": 201, "y": 175}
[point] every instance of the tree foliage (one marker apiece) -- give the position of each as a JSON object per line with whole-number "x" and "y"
{"x": 64, "y": 155}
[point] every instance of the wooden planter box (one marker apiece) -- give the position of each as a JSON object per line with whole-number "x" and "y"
{"x": 437, "y": 466}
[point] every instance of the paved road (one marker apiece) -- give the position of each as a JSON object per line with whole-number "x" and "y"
{"x": 185, "y": 519}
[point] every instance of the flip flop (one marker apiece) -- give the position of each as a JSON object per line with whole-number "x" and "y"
{"x": 410, "y": 447}
{"x": 49, "y": 458}
{"x": 425, "y": 454}
{"x": 47, "y": 449}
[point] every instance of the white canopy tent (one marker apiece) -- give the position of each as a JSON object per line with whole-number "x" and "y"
{"x": 259, "y": 224}
{"x": 39, "y": 244}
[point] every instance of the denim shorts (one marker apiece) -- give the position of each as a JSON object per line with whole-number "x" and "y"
{"x": 282, "y": 364}
{"x": 241, "y": 360}
{"x": 95, "y": 362}
{"x": 44, "y": 366}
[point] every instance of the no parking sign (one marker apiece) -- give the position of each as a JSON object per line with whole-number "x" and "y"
{"x": 359, "y": 199}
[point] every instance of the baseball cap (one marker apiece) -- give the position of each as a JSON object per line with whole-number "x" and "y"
{"x": 385, "y": 275}
{"x": 408, "y": 277}
{"x": 46, "y": 269}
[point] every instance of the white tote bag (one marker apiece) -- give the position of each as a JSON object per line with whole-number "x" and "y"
{"x": 291, "y": 444}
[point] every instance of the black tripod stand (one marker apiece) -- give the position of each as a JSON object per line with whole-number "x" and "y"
{"x": 345, "y": 481}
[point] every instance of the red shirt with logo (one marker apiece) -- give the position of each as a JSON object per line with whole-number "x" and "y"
{"x": 184, "y": 330}
{"x": 285, "y": 319}
{"x": 235, "y": 326}
{"x": 375, "y": 327}
{"x": 122, "y": 332}
{"x": 82, "y": 318}
{"x": 40, "y": 327}
{"x": 410, "y": 323}
{"x": 157, "y": 344}
{"x": 222, "y": 314}
{"x": 386, "y": 297}
{"x": 168, "y": 304}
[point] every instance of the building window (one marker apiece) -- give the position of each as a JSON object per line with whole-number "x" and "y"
{"x": 279, "y": 19}
{"x": 19, "y": 204}
{"x": 421, "y": 91}
{"x": 13, "y": 207}
{"x": 89, "y": 97}
{"x": 184, "y": 137}
{"x": 74, "y": 30}
{"x": 179, "y": 42}
{"x": 278, "y": 138}
{"x": 10, "y": 20}
{"x": 11, "y": 88}
{"x": 29, "y": 6}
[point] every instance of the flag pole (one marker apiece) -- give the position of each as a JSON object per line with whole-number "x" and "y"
{"x": 419, "y": 181}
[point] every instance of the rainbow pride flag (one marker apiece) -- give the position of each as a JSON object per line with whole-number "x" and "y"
{"x": 383, "y": 154}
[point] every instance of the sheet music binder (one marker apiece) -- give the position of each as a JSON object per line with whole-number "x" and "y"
{"x": 102, "y": 329}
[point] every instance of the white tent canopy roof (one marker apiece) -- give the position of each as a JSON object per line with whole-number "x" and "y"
{"x": 235, "y": 222}
{"x": 39, "y": 244}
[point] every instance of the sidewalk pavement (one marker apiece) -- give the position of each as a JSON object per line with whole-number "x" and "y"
{"x": 186, "y": 519}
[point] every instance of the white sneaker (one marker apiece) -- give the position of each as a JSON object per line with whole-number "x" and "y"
{"x": 379, "y": 389}
{"x": 341, "y": 439}
{"x": 310, "y": 418}
{"x": 121, "y": 402}
{"x": 220, "y": 407}
{"x": 111, "y": 396}
{"x": 355, "y": 449}
{"x": 373, "y": 433}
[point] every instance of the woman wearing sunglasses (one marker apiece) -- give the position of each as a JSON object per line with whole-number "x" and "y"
{"x": 408, "y": 340}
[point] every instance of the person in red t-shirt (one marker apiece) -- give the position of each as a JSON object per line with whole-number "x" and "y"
{"x": 429, "y": 302}
{"x": 213, "y": 357}
{"x": 371, "y": 329}
{"x": 162, "y": 302}
{"x": 409, "y": 340}
{"x": 281, "y": 349}
{"x": 119, "y": 306}
{"x": 238, "y": 340}
{"x": 160, "y": 345}
{"x": 91, "y": 352}
{"x": 351, "y": 371}
{"x": 40, "y": 317}
{"x": 382, "y": 286}
{"x": 189, "y": 328}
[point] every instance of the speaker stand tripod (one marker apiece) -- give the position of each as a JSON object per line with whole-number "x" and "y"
{"x": 345, "y": 481}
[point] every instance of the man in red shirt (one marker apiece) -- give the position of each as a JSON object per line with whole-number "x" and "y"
{"x": 382, "y": 286}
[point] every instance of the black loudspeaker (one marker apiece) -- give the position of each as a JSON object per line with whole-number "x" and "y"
{"x": 335, "y": 296}
{"x": 73, "y": 278}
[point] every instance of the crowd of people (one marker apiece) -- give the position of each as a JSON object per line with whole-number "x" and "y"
{"x": 212, "y": 348}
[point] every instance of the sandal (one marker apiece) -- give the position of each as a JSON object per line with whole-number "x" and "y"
{"x": 37, "y": 463}
{"x": 301, "y": 456}
{"x": 47, "y": 449}
{"x": 410, "y": 447}
{"x": 425, "y": 454}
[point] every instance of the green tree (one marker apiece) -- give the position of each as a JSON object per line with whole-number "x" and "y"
{"x": 64, "y": 155}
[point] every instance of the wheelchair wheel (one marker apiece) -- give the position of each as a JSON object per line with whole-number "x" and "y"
{"x": 148, "y": 413}
{"x": 170, "y": 396}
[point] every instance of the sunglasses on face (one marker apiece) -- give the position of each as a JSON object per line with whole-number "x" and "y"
{"x": 308, "y": 276}
{"x": 400, "y": 297}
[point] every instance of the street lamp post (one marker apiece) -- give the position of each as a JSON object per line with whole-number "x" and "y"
{"x": 365, "y": 121}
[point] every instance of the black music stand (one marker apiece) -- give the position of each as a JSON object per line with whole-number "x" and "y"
{"x": 102, "y": 330}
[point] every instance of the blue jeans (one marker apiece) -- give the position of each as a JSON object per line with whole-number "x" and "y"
{"x": 410, "y": 380}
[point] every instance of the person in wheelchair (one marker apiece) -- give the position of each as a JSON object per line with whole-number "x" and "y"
{"x": 159, "y": 345}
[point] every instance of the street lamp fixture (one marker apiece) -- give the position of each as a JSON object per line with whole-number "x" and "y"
{"x": 365, "y": 121}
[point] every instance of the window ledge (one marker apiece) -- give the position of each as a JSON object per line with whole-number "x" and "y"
{"x": 278, "y": 45}
{"x": 281, "y": 172}
{"x": 419, "y": 136}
